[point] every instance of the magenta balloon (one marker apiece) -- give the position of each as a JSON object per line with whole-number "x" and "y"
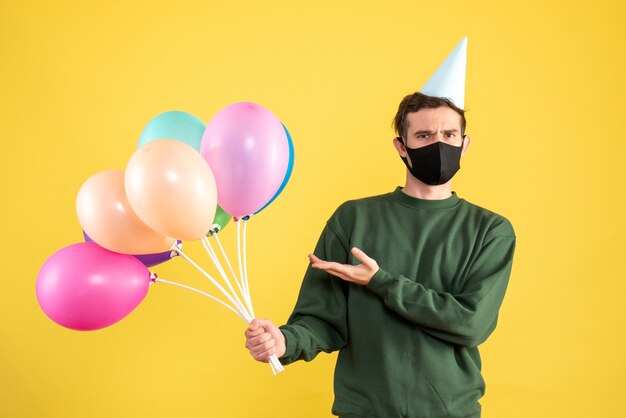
{"x": 86, "y": 287}
{"x": 248, "y": 152}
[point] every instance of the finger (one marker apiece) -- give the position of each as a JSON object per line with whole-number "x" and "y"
{"x": 264, "y": 356}
{"x": 314, "y": 258}
{"x": 252, "y": 331}
{"x": 346, "y": 269}
{"x": 325, "y": 265}
{"x": 262, "y": 348}
{"x": 264, "y": 324}
{"x": 319, "y": 265}
{"x": 261, "y": 322}
{"x": 254, "y": 325}
{"x": 336, "y": 269}
{"x": 258, "y": 340}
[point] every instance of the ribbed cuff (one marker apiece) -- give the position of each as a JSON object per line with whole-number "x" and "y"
{"x": 378, "y": 282}
{"x": 292, "y": 345}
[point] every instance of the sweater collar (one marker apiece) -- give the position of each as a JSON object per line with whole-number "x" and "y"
{"x": 416, "y": 203}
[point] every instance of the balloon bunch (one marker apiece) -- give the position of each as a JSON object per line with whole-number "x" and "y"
{"x": 184, "y": 183}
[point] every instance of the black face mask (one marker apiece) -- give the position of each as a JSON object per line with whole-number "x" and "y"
{"x": 434, "y": 164}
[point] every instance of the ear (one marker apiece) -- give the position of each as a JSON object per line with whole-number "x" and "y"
{"x": 466, "y": 145}
{"x": 399, "y": 147}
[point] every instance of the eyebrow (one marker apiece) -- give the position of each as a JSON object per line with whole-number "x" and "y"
{"x": 432, "y": 132}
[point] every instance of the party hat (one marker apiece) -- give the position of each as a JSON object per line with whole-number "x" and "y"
{"x": 449, "y": 79}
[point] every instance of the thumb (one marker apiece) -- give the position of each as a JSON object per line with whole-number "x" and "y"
{"x": 266, "y": 324}
{"x": 361, "y": 256}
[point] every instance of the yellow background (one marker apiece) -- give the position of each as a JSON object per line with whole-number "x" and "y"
{"x": 545, "y": 100}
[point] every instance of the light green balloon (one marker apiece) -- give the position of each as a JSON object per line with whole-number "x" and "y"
{"x": 221, "y": 219}
{"x": 174, "y": 124}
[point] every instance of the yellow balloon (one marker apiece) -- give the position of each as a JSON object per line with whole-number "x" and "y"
{"x": 106, "y": 216}
{"x": 172, "y": 189}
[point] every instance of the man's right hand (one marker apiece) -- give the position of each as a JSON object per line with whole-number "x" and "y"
{"x": 263, "y": 339}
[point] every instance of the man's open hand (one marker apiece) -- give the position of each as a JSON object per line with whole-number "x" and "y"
{"x": 361, "y": 274}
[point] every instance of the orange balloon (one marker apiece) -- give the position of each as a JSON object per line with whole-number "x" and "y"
{"x": 171, "y": 188}
{"x": 107, "y": 217}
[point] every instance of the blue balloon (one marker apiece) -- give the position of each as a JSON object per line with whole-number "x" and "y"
{"x": 174, "y": 124}
{"x": 287, "y": 174}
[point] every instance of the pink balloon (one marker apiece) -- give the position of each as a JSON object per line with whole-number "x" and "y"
{"x": 248, "y": 152}
{"x": 86, "y": 287}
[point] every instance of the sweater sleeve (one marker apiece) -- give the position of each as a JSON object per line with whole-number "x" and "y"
{"x": 319, "y": 321}
{"x": 466, "y": 318}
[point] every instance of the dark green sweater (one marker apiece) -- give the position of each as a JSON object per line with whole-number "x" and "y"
{"x": 408, "y": 341}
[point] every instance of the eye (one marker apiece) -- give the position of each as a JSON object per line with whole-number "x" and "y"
{"x": 450, "y": 135}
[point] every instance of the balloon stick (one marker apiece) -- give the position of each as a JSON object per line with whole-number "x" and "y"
{"x": 155, "y": 279}
{"x": 241, "y": 309}
{"x": 277, "y": 367}
{"x": 218, "y": 265}
{"x": 245, "y": 264}
{"x": 237, "y": 280}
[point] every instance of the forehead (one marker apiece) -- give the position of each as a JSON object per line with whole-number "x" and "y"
{"x": 443, "y": 118}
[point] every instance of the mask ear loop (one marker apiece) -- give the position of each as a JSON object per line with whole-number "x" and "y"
{"x": 406, "y": 149}
{"x": 399, "y": 138}
{"x": 463, "y": 142}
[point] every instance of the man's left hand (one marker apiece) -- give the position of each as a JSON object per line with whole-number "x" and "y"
{"x": 361, "y": 274}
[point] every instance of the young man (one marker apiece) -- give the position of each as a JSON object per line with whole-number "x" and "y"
{"x": 405, "y": 285}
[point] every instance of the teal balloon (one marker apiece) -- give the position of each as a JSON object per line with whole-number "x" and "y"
{"x": 174, "y": 124}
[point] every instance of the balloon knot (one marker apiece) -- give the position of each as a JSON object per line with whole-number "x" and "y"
{"x": 153, "y": 277}
{"x": 177, "y": 246}
{"x": 245, "y": 218}
{"x": 214, "y": 230}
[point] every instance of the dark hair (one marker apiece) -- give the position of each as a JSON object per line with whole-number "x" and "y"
{"x": 417, "y": 101}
